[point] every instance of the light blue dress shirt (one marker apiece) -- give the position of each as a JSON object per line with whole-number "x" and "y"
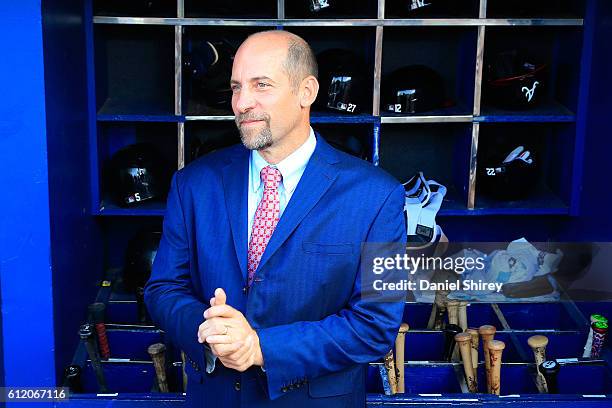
{"x": 291, "y": 167}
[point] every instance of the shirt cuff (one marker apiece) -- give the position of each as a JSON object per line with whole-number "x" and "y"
{"x": 211, "y": 359}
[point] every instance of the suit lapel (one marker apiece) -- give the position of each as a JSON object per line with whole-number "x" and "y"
{"x": 318, "y": 177}
{"x": 235, "y": 187}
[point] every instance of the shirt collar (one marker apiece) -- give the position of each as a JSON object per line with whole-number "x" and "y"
{"x": 291, "y": 167}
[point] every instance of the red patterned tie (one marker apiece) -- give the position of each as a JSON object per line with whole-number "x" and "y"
{"x": 266, "y": 218}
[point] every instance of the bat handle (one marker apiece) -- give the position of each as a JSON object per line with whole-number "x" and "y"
{"x": 184, "y": 360}
{"x": 538, "y": 345}
{"x": 96, "y": 311}
{"x": 157, "y": 352}
{"x": 86, "y": 334}
{"x": 400, "y": 346}
{"x": 462, "y": 314}
{"x": 487, "y": 332}
{"x": 474, "y": 343}
{"x": 452, "y": 307}
{"x": 464, "y": 340}
{"x": 73, "y": 377}
{"x": 550, "y": 370}
{"x": 449, "y": 344}
{"x": 390, "y": 368}
{"x": 143, "y": 315}
{"x": 496, "y": 348}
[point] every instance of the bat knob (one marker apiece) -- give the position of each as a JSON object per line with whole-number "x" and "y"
{"x": 550, "y": 370}
{"x": 486, "y": 329}
{"x": 550, "y": 367}
{"x": 85, "y": 331}
{"x": 157, "y": 348}
{"x": 404, "y": 328}
{"x": 72, "y": 374}
{"x": 537, "y": 341}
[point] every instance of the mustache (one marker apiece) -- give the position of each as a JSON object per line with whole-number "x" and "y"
{"x": 252, "y": 116}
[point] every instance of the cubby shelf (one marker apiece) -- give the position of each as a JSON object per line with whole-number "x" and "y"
{"x": 549, "y": 111}
{"x": 443, "y": 22}
{"x": 458, "y": 47}
{"x": 139, "y": 118}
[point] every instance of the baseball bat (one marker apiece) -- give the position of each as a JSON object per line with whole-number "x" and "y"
{"x": 157, "y": 352}
{"x": 474, "y": 343}
{"x": 589, "y": 343}
{"x": 449, "y": 341}
{"x": 384, "y": 377}
{"x": 143, "y": 315}
{"x": 400, "y": 345}
{"x": 438, "y": 310}
{"x": 496, "y": 348}
{"x": 487, "y": 332}
{"x": 600, "y": 331}
{"x": 73, "y": 378}
{"x": 538, "y": 346}
{"x": 96, "y": 311}
{"x": 86, "y": 334}
{"x": 184, "y": 360}
{"x": 464, "y": 340}
{"x": 390, "y": 370}
{"x": 462, "y": 312}
{"x": 452, "y": 308}
{"x": 550, "y": 370}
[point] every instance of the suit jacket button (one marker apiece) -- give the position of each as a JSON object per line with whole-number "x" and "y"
{"x": 244, "y": 290}
{"x": 237, "y": 385}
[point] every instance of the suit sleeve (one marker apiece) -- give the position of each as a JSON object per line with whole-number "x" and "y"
{"x": 169, "y": 295}
{"x": 362, "y": 332}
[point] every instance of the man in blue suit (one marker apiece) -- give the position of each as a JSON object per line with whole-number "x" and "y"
{"x": 257, "y": 276}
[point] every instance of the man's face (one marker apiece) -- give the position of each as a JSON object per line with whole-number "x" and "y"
{"x": 266, "y": 109}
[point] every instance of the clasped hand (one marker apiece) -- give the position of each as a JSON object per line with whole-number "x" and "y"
{"x": 229, "y": 334}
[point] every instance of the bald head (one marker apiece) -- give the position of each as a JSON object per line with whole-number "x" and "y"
{"x": 299, "y": 62}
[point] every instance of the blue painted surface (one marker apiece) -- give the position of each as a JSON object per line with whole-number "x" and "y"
{"x": 593, "y": 143}
{"x": 549, "y": 111}
{"x": 43, "y": 230}
{"x": 76, "y": 254}
{"x": 25, "y": 237}
{"x": 140, "y": 118}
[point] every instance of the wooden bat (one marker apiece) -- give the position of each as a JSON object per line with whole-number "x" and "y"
{"x": 538, "y": 345}
{"x": 184, "y": 360}
{"x": 400, "y": 345}
{"x": 96, "y": 313}
{"x": 474, "y": 337}
{"x": 143, "y": 315}
{"x": 390, "y": 370}
{"x": 452, "y": 307}
{"x": 449, "y": 341}
{"x": 550, "y": 371}
{"x": 487, "y": 332}
{"x": 462, "y": 312}
{"x": 384, "y": 377}
{"x": 438, "y": 310}
{"x": 86, "y": 334}
{"x": 73, "y": 378}
{"x": 496, "y": 348}
{"x": 157, "y": 352}
{"x": 464, "y": 340}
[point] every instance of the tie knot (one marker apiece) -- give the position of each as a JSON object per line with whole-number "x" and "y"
{"x": 270, "y": 177}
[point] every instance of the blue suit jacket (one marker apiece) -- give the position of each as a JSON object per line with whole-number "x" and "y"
{"x": 316, "y": 332}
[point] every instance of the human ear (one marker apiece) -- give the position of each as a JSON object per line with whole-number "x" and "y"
{"x": 309, "y": 88}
